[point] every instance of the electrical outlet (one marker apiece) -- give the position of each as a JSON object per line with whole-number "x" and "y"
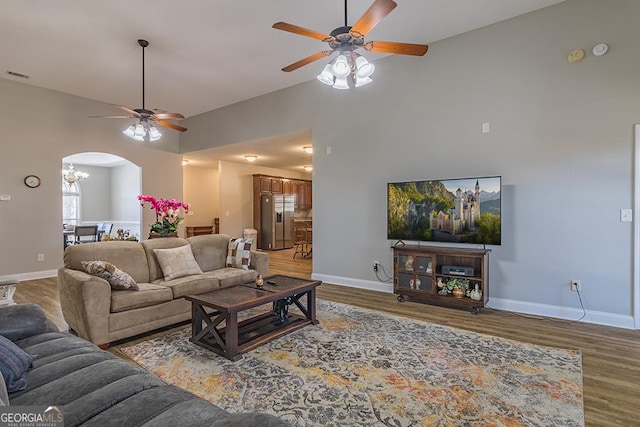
{"x": 575, "y": 285}
{"x": 375, "y": 266}
{"x": 40, "y": 257}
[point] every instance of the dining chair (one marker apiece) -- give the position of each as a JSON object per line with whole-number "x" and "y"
{"x": 104, "y": 228}
{"x": 300, "y": 241}
{"x": 85, "y": 234}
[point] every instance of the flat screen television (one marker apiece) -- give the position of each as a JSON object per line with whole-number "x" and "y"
{"x": 462, "y": 210}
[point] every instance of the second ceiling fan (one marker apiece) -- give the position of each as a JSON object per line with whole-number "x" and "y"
{"x": 144, "y": 129}
{"x": 346, "y": 40}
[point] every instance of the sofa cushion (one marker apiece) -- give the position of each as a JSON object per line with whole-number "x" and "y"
{"x": 155, "y": 271}
{"x": 148, "y": 294}
{"x": 117, "y": 278}
{"x": 239, "y": 253}
{"x": 177, "y": 262}
{"x": 189, "y": 285}
{"x": 232, "y": 276}
{"x": 14, "y": 363}
{"x": 128, "y": 256}
{"x": 210, "y": 250}
{"x": 4, "y": 397}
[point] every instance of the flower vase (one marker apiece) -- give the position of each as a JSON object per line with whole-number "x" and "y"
{"x": 156, "y": 235}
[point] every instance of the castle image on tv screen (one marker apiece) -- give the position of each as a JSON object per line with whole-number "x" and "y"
{"x": 453, "y": 210}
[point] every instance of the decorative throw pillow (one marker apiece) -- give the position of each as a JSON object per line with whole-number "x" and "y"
{"x": 239, "y": 254}
{"x": 177, "y": 262}
{"x": 117, "y": 278}
{"x": 14, "y": 363}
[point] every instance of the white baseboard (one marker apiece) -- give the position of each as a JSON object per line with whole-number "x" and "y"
{"x": 565, "y": 313}
{"x": 32, "y": 275}
{"x": 524, "y": 307}
{"x": 354, "y": 283}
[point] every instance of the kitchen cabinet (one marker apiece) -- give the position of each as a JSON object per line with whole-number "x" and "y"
{"x": 286, "y": 187}
{"x": 266, "y": 184}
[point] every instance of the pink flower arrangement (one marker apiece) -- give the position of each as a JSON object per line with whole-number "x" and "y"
{"x": 167, "y": 213}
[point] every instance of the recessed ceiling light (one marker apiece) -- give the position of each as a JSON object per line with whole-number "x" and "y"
{"x": 308, "y": 168}
{"x": 308, "y": 149}
{"x": 185, "y": 162}
{"x": 251, "y": 157}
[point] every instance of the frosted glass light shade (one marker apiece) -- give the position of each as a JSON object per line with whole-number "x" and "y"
{"x": 129, "y": 131}
{"x": 361, "y": 81}
{"x": 139, "y": 130}
{"x": 154, "y": 134}
{"x": 341, "y": 67}
{"x": 326, "y": 76}
{"x": 363, "y": 67}
{"x": 341, "y": 83}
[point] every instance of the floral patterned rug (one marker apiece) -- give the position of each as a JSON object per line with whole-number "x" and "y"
{"x": 364, "y": 368}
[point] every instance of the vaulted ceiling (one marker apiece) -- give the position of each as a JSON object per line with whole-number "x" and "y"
{"x": 203, "y": 54}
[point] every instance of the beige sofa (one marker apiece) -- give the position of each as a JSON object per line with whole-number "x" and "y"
{"x": 102, "y": 315}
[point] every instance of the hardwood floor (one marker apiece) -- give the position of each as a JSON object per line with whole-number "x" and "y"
{"x": 610, "y": 356}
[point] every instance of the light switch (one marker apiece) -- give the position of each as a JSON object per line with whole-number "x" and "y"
{"x": 5, "y": 197}
{"x": 626, "y": 215}
{"x": 486, "y": 128}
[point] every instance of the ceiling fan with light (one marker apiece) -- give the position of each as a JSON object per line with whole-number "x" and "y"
{"x": 346, "y": 40}
{"x": 144, "y": 129}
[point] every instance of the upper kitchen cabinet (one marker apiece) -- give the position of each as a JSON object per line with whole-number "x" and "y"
{"x": 269, "y": 184}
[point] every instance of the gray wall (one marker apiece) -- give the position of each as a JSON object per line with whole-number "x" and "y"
{"x": 561, "y": 138}
{"x": 39, "y": 128}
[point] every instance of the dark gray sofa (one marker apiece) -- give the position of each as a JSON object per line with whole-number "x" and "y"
{"x": 93, "y": 387}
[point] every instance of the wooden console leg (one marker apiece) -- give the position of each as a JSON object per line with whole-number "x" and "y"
{"x": 104, "y": 346}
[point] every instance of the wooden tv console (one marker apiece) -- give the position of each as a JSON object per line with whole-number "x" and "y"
{"x": 421, "y": 272}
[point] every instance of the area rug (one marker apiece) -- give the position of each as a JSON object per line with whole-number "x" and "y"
{"x": 360, "y": 367}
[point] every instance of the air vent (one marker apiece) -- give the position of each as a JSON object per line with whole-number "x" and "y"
{"x": 14, "y": 74}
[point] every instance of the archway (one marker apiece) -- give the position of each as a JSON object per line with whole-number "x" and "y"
{"x": 108, "y": 195}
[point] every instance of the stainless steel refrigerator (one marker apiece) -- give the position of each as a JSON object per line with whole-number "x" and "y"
{"x": 277, "y": 221}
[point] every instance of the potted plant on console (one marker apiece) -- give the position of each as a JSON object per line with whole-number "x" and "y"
{"x": 167, "y": 215}
{"x": 459, "y": 288}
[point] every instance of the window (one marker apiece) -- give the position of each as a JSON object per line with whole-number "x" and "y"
{"x": 70, "y": 203}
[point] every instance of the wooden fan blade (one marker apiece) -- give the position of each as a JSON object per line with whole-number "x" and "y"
{"x": 170, "y": 125}
{"x": 308, "y": 60}
{"x": 372, "y": 16}
{"x": 128, "y": 110}
{"x": 109, "y": 117}
{"x": 397, "y": 48}
{"x": 174, "y": 116}
{"x": 302, "y": 31}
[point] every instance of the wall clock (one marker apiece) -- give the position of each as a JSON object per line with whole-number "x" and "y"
{"x": 32, "y": 181}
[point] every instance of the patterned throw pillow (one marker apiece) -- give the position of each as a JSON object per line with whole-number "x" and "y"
{"x": 177, "y": 262}
{"x": 14, "y": 363}
{"x": 239, "y": 254}
{"x": 117, "y": 278}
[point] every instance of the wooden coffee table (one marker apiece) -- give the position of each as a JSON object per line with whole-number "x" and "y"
{"x": 239, "y": 337}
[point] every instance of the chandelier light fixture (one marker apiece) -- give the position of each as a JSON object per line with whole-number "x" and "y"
{"x": 70, "y": 175}
{"x": 251, "y": 157}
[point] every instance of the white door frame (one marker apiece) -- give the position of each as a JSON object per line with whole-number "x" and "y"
{"x": 636, "y": 230}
